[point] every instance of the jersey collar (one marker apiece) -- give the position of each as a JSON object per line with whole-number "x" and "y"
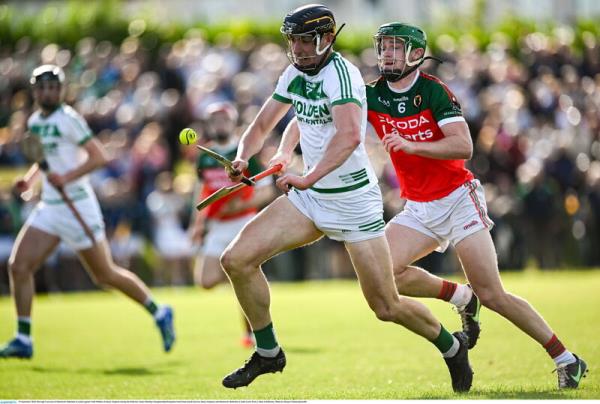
{"x": 327, "y": 61}
{"x": 407, "y": 88}
{"x": 50, "y": 113}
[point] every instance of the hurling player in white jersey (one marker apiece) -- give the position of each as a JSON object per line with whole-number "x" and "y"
{"x": 71, "y": 153}
{"x": 337, "y": 196}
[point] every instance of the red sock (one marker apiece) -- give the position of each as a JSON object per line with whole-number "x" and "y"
{"x": 554, "y": 347}
{"x": 447, "y": 291}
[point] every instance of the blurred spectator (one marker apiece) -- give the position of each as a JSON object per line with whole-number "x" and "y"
{"x": 218, "y": 224}
{"x": 170, "y": 238}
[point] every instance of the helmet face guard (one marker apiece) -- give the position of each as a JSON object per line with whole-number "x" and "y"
{"x": 398, "y": 36}
{"x": 308, "y": 25}
{"x": 301, "y": 62}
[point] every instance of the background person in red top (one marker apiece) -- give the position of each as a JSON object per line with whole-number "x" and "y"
{"x": 420, "y": 124}
{"x": 214, "y": 227}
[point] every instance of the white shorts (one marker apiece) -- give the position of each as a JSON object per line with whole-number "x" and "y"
{"x": 57, "y": 219}
{"x": 222, "y": 232}
{"x": 350, "y": 220}
{"x": 172, "y": 242}
{"x": 6, "y": 245}
{"x": 451, "y": 218}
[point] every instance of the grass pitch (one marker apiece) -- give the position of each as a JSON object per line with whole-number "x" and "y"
{"x": 100, "y": 345}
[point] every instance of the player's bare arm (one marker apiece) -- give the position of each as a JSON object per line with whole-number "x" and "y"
{"x": 22, "y": 184}
{"x": 456, "y": 144}
{"x": 196, "y": 231}
{"x": 254, "y": 137}
{"x": 97, "y": 157}
{"x": 198, "y": 218}
{"x": 289, "y": 141}
{"x": 346, "y": 118}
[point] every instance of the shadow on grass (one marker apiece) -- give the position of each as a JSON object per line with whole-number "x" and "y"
{"x": 519, "y": 394}
{"x": 128, "y": 371}
{"x": 496, "y": 395}
{"x": 302, "y": 350}
{"x": 133, "y": 372}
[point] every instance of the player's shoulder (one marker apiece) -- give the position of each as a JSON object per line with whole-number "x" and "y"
{"x": 69, "y": 112}
{"x": 289, "y": 73}
{"x": 337, "y": 56}
{"x": 375, "y": 84}
{"x": 375, "y": 89}
{"x": 342, "y": 75}
{"x": 290, "y": 69}
{"x": 71, "y": 121}
{"x": 339, "y": 62}
{"x": 434, "y": 84}
{"x": 431, "y": 79}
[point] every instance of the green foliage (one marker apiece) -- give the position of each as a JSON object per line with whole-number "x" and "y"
{"x": 106, "y": 20}
{"x": 99, "y": 345}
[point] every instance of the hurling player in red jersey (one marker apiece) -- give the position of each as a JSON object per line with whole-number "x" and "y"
{"x": 214, "y": 227}
{"x": 421, "y": 125}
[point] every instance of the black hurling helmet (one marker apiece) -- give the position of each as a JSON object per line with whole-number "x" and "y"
{"x": 47, "y": 73}
{"x": 309, "y": 23}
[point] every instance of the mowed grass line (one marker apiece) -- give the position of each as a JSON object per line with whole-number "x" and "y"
{"x": 100, "y": 345}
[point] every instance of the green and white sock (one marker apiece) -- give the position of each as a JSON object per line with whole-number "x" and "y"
{"x": 446, "y": 343}
{"x": 24, "y": 329}
{"x": 450, "y": 353}
{"x": 266, "y": 342}
{"x": 151, "y": 306}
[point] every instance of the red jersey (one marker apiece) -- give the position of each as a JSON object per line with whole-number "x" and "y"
{"x": 416, "y": 115}
{"x": 213, "y": 176}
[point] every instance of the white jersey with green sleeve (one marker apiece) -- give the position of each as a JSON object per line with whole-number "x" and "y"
{"x": 62, "y": 133}
{"x": 313, "y": 97}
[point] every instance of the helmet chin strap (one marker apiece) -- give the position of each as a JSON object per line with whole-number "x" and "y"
{"x": 318, "y": 43}
{"x": 318, "y": 50}
{"x": 414, "y": 65}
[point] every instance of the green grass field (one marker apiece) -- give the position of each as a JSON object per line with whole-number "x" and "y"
{"x": 100, "y": 345}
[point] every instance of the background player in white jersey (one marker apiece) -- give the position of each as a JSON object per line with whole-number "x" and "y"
{"x": 337, "y": 196}
{"x": 71, "y": 153}
{"x": 216, "y": 226}
{"x": 421, "y": 125}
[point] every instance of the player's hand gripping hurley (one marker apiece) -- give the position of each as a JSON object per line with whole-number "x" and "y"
{"x": 32, "y": 149}
{"x": 225, "y": 163}
{"x": 223, "y": 192}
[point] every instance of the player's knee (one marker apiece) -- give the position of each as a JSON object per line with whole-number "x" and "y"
{"x": 19, "y": 269}
{"x": 384, "y": 311}
{"x": 102, "y": 280}
{"x": 232, "y": 262}
{"x": 492, "y": 299}
{"x": 401, "y": 276}
{"x": 105, "y": 279}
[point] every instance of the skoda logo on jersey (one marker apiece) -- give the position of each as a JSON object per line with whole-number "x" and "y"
{"x": 417, "y": 100}
{"x": 384, "y": 102}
